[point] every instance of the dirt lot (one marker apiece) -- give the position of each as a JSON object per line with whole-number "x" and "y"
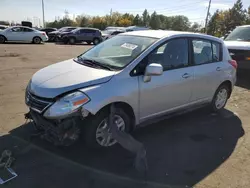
{"x": 196, "y": 149}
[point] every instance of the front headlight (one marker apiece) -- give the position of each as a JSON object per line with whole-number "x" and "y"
{"x": 66, "y": 105}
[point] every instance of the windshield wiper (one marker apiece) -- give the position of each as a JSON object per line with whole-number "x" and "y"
{"x": 95, "y": 63}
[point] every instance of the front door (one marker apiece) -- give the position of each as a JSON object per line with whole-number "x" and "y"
{"x": 173, "y": 88}
{"x": 14, "y": 34}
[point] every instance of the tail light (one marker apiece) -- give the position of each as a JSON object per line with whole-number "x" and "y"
{"x": 233, "y": 63}
{"x": 44, "y": 34}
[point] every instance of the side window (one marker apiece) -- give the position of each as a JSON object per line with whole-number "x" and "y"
{"x": 16, "y": 29}
{"x": 27, "y": 30}
{"x": 202, "y": 51}
{"x": 171, "y": 55}
{"x": 82, "y": 31}
{"x": 90, "y": 31}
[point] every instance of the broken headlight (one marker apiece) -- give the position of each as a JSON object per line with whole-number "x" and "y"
{"x": 66, "y": 105}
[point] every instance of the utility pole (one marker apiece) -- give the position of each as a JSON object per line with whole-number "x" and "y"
{"x": 208, "y": 10}
{"x": 43, "y": 14}
{"x": 111, "y": 12}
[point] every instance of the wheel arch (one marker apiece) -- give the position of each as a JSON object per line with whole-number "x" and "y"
{"x": 37, "y": 37}
{"x": 4, "y": 37}
{"x": 127, "y": 109}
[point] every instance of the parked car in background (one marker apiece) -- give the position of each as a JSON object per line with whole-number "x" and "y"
{"x": 135, "y": 28}
{"x": 88, "y": 35}
{"x": 48, "y": 30}
{"x": 2, "y": 27}
{"x": 144, "y": 74}
{"x": 114, "y": 28}
{"x": 21, "y": 33}
{"x": 27, "y": 24}
{"x": 53, "y": 35}
{"x": 238, "y": 44}
{"x": 107, "y": 34}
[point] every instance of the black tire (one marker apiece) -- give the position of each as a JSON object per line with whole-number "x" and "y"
{"x": 214, "y": 106}
{"x": 96, "y": 41}
{"x": 2, "y": 39}
{"x": 93, "y": 123}
{"x": 65, "y": 40}
{"x": 89, "y": 42}
{"x": 72, "y": 40}
{"x": 37, "y": 40}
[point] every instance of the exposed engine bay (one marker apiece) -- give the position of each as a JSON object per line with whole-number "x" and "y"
{"x": 59, "y": 132}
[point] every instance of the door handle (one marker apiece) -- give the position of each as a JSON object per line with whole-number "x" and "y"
{"x": 218, "y": 69}
{"x": 186, "y": 75}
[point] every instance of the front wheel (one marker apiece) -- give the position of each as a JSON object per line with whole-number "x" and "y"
{"x": 97, "y": 133}
{"x": 220, "y": 98}
{"x": 72, "y": 40}
{"x": 2, "y": 39}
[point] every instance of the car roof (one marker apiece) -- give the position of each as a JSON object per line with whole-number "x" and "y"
{"x": 87, "y": 28}
{"x": 166, "y": 33}
{"x": 21, "y": 26}
{"x": 244, "y": 26}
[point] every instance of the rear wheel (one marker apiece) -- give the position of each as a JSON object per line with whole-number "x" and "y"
{"x": 2, "y": 39}
{"x": 220, "y": 98}
{"x": 96, "y": 41}
{"x": 37, "y": 40}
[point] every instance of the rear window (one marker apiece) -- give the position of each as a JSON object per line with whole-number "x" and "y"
{"x": 205, "y": 51}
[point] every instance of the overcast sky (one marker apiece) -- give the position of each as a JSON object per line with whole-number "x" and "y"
{"x": 195, "y": 10}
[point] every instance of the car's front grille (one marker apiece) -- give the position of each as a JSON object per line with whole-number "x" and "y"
{"x": 239, "y": 55}
{"x": 36, "y": 103}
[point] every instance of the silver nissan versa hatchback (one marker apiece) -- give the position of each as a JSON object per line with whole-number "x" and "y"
{"x": 145, "y": 74}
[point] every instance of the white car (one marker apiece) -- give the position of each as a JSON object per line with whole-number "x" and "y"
{"x": 238, "y": 44}
{"x": 111, "y": 33}
{"x": 21, "y": 33}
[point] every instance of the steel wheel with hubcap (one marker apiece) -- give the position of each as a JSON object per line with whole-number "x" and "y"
{"x": 2, "y": 39}
{"x": 96, "y": 41}
{"x": 103, "y": 134}
{"x": 72, "y": 40}
{"x": 97, "y": 132}
{"x": 37, "y": 40}
{"x": 220, "y": 98}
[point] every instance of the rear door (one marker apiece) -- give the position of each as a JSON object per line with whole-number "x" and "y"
{"x": 90, "y": 33}
{"x": 27, "y": 34}
{"x": 82, "y": 35}
{"x": 207, "y": 61}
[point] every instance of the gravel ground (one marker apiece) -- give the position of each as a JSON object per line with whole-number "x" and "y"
{"x": 196, "y": 149}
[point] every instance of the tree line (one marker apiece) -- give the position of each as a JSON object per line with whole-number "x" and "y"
{"x": 154, "y": 21}
{"x": 224, "y": 21}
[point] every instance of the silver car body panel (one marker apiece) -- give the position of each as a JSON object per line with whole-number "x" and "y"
{"x": 163, "y": 94}
{"x": 68, "y": 75}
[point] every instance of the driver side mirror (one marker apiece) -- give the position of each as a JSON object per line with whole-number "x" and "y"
{"x": 152, "y": 69}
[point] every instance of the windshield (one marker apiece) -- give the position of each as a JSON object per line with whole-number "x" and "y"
{"x": 239, "y": 34}
{"x": 108, "y": 31}
{"x": 119, "y": 51}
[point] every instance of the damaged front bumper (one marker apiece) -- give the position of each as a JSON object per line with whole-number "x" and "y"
{"x": 63, "y": 132}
